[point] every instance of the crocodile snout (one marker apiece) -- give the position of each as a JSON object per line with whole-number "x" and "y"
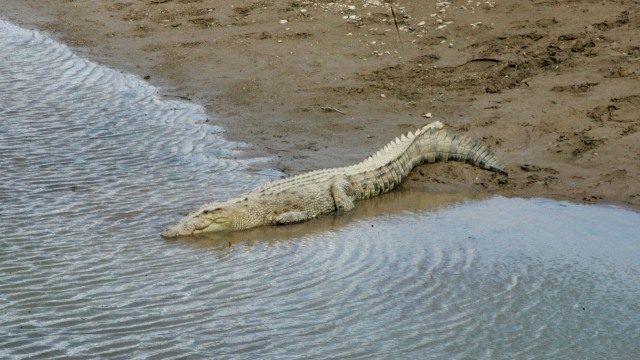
{"x": 169, "y": 233}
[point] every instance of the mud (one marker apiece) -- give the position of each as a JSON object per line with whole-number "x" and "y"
{"x": 552, "y": 86}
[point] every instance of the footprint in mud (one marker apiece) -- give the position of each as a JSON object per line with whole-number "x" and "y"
{"x": 535, "y": 168}
{"x": 622, "y": 110}
{"x": 578, "y": 43}
{"x": 576, "y": 88}
{"x": 577, "y": 143}
{"x": 204, "y": 23}
{"x": 618, "y": 72}
{"x": 541, "y": 176}
{"x": 615, "y": 175}
{"x": 622, "y": 19}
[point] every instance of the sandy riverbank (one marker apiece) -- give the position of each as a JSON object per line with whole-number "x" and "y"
{"x": 552, "y": 86}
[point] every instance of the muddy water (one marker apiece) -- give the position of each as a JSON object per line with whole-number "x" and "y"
{"x": 94, "y": 163}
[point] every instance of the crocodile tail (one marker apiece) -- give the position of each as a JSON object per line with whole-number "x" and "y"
{"x": 436, "y": 143}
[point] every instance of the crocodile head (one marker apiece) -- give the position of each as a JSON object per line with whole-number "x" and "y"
{"x": 209, "y": 218}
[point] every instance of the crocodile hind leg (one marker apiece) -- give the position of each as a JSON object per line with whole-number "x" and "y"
{"x": 343, "y": 194}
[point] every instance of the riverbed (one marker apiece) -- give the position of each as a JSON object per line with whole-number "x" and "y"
{"x": 95, "y": 162}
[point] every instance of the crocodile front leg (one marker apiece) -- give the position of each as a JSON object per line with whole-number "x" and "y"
{"x": 292, "y": 217}
{"x": 343, "y": 194}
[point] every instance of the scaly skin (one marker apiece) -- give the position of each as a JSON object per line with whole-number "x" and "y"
{"x": 303, "y": 197}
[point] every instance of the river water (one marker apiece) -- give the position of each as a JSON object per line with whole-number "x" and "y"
{"x": 94, "y": 162}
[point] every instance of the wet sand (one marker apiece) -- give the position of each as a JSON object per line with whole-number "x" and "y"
{"x": 551, "y": 86}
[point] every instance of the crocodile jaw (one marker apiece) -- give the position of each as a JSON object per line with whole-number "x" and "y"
{"x": 186, "y": 229}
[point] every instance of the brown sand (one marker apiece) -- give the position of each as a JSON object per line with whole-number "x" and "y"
{"x": 552, "y": 86}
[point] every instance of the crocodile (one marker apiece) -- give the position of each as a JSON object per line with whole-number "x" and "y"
{"x": 303, "y": 197}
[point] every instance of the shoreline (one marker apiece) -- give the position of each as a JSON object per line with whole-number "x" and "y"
{"x": 317, "y": 84}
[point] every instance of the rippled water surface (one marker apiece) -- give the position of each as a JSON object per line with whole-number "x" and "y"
{"x": 93, "y": 163}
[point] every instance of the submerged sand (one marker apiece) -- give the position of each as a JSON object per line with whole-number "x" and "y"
{"x": 551, "y": 86}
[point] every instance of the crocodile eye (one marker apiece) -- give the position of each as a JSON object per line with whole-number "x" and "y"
{"x": 205, "y": 212}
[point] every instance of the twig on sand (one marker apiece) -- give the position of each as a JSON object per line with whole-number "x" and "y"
{"x": 326, "y": 108}
{"x": 178, "y": 96}
{"x": 395, "y": 22}
{"x": 278, "y": 150}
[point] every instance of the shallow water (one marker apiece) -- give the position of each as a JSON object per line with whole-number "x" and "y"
{"x": 94, "y": 163}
